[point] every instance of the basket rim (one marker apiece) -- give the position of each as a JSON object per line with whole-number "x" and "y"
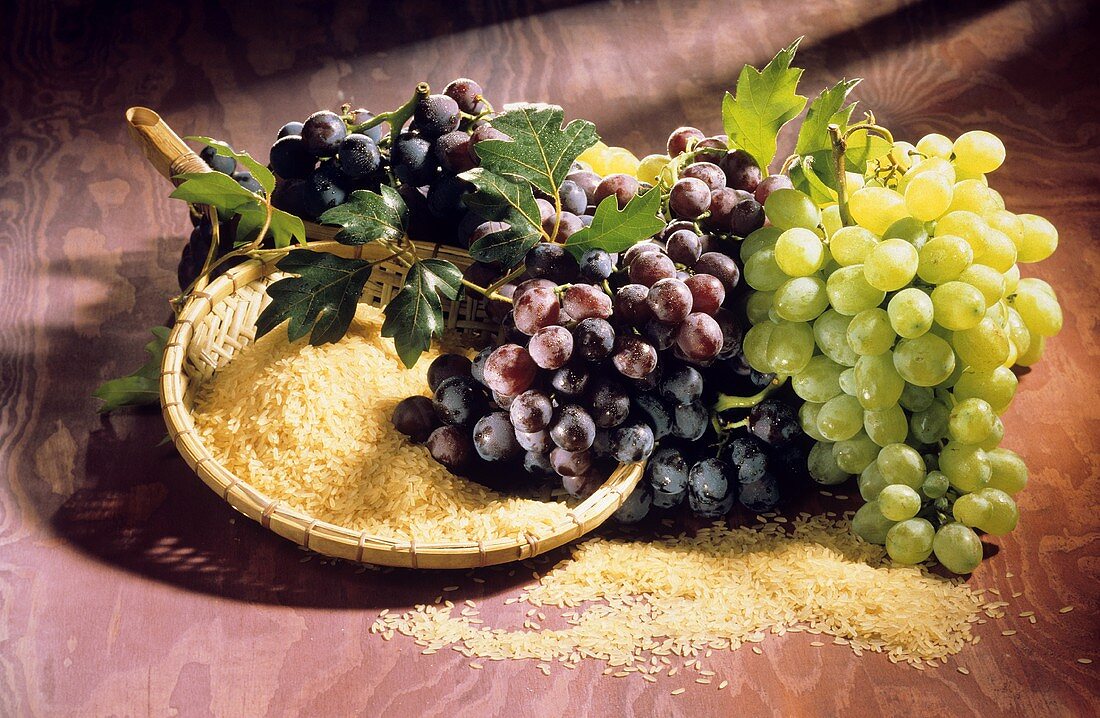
{"x": 322, "y": 536}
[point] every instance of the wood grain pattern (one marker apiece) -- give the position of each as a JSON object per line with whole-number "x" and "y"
{"x": 127, "y": 588}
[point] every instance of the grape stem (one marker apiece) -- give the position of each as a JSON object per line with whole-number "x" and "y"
{"x": 840, "y": 146}
{"x": 397, "y": 118}
{"x": 726, "y": 402}
{"x": 514, "y": 274}
{"x": 788, "y": 164}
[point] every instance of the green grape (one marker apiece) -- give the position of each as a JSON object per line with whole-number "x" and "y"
{"x": 876, "y": 208}
{"x": 935, "y": 484}
{"x": 801, "y": 299}
{"x": 901, "y": 464}
{"x": 957, "y": 305}
{"x": 819, "y": 381}
{"x": 924, "y": 361}
{"x": 758, "y": 305}
{"x": 887, "y": 426}
{"x": 763, "y": 238}
{"x": 871, "y": 482}
{"x": 1008, "y": 223}
{"x": 971, "y": 421}
{"x": 840, "y": 418}
{"x": 996, "y": 387}
{"x": 762, "y": 272}
{"x": 755, "y": 346}
{"x": 916, "y": 398}
{"x": 943, "y": 258}
{"x": 799, "y": 252}
{"x": 1034, "y": 351}
{"x": 967, "y": 225}
{"x": 1017, "y": 331}
{"x": 910, "y": 229}
{"x": 849, "y": 292}
{"x": 983, "y": 347}
{"x": 910, "y": 312}
{"x": 958, "y": 548}
{"x": 966, "y": 466}
{"x": 1034, "y": 284}
{"x": 978, "y": 151}
{"x": 972, "y": 509}
{"x": 972, "y": 195}
{"x": 1039, "y": 310}
{"x": 831, "y": 334}
{"x": 870, "y": 525}
{"x": 1009, "y": 472}
{"x": 898, "y": 502}
{"x": 790, "y": 347}
{"x": 928, "y": 195}
{"x": 849, "y": 245}
{"x": 878, "y": 384}
{"x": 935, "y": 145}
{"x": 789, "y": 208}
{"x": 1000, "y": 250}
{"x": 910, "y": 541}
{"x": 870, "y": 333}
{"x": 807, "y": 416}
{"x": 987, "y": 280}
{"x": 830, "y": 219}
{"x": 930, "y": 425}
{"x": 848, "y": 381}
{"x": 891, "y": 265}
{"x": 1039, "y": 241}
{"x": 853, "y": 455}
{"x": 995, "y": 437}
{"x": 823, "y": 467}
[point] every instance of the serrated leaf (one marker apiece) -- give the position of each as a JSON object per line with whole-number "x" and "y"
{"x": 862, "y": 148}
{"x": 367, "y": 216}
{"x": 815, "y": 179}
{"x": 765, "y": 101}
{"x": 262, "y": 174}
{"x": 540, "y": 150}
{"x": 415, "y": 315}
{"x": 320, "y": 301}
{"x": 828, "y": 108}
{"x": 500, "y": 199}
{"x": 284, "y": 227}
{"x": 613, "y": 230}
{"x": 216, "y": 189}
{"x": 142, "y": 388}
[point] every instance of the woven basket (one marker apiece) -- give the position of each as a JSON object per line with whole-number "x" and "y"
{"x": 219, "y": 320}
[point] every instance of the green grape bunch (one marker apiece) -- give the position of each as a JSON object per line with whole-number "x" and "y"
{"x": 897, "y": 311}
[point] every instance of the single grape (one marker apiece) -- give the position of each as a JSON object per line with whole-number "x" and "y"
{"x": 290, "y": 128}
{"x": 1039, "y": 239}
{"x": 535, "y": 309}
{"x": 531, "y": 411}
{"x": 467, "y": 94}
{"x": 911, "y": 312}
{"x": 246, "y": 180}
{"x": 535, "y": 441}
{"x": 632, "y": 442}
{"x": 651, "y": 267}
{"x": 799, "y": 252}
{"x": 412, "y": 160}
{"x": 216, "y": 162}
{"x": 452, "y": 447}
{"x": 585, "y": 301}
{"x": 870, "y": 525}
{"x": 708, "y": 172}
{"x": 935, "y": 484}
{"x": 849, "y": 292}
{"x": 870, "y": 333}
{"x": 876, "y": 208}
{"x": 636, "y": 506}
{"x": 856, "y": 454}
{"x": 455, "y": 152}
{"x": 966, "y": 466}
{"x": 957, "y": 548}
{"x": 707, "y": 293}
{"x": 436, "y": 115}
{"x": 570, "y": 463}
{"x": 583, "y": 486}
{"x": 823, "y": 466}
{"x": 494, "y": 437}
{"x": 510, "y": 369}
{"x": 769, "y": 184}
{"x": 746, "y": 217}
{"x": 682, "y": 138}
{"x": 682, "y": 385}
{"x": 788, "y": 208}
{"x": 708, "y": 480}
{"x": 891, "y": 265}
{"x": 622, "y": 186}
{"x": 573, "y": 429}
{"x": 971, "y": 421}
{"x": 775, "y": 422}
{"x": 323, "y": 132}
{"x": 667, "y": 475}
{"x": 631, "y": 305}
{"x": 720, "y": 266}
{"x": 1008, "y": 472}
{"x": 550, "y": 261}
{"x": 596, "y": 265}
{"x": 415, "y": 417}
{"x": 910, "y": 541}
{"x": 840, "y": 418}
{"x": 689, "y": 198}
{"x": 670, "y": 301}
{"x": 571, "y": 380}
{"x": 359, "y": 156}
{"x": 851, "y": 245}
{"x": 690, "y": 421}
{"x": 609, "y": 402}
{"x": 684, "y": 247}
{"x": 699, "y": 338}
{"x": 445, "y": 366}
{"x": 634, "y": 358}
{"x": 898, "y": 502}
{"x": 924, "y": 361}
{"x": 537, "y": 464}
{"x": 325, "y": 188}
{"x": 741, "y": 170}
{"x": 978, "y": 152}
{"x": 819, "y": 381}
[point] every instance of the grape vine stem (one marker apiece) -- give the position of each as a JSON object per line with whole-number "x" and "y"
{"x": 726, "y": 402}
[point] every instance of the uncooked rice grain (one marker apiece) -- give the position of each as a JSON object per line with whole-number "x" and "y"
{"x": 310, "y": 427}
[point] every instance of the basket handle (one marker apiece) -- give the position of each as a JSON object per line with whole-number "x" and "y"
{"x": 161, "y": 145}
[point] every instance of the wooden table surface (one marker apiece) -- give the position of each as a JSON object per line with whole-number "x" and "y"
{"x": 127, "y": 588}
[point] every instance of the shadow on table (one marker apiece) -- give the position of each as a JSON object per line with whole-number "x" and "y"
{"x": 142, "y": 509}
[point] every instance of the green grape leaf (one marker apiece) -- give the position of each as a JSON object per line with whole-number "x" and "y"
{"x": 284, "y": 227}
{"x": 262, "y": 174}
{"x": 142, "y": 388}
{"x": 320, "y": 301}
{"x": 613, "y": 230}
{"x": 765, "y": 101}
{"x": 540, "y": 150}
{"x": 415, "y": 314}
{"x": 367, "y": 216}
{"x": 864, "y": 147}
{"x": 500, "y": 199}
{"x": 814, "y": 175}
{"x": 215, "y": 189}
{"x": 826, "y": 109}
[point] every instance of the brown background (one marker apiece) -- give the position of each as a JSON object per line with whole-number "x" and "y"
{"x": 127, "y": 588}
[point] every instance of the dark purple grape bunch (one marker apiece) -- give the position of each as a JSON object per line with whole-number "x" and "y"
{"x": 320, "y": 162}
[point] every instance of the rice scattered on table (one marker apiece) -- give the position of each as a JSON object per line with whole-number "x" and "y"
{"x": 310, "y": 426}
{"x": 683, "y": 596}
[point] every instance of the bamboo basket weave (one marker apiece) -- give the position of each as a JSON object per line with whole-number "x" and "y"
{"x": 219, "y": 320}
